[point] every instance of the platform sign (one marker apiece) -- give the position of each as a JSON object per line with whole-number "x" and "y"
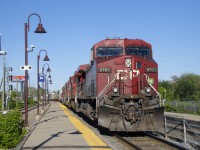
{"x": 18, "y": 78}
{"x": 41, "y": 78}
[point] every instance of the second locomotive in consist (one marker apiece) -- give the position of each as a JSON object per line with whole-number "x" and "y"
{"x": 118, "y": 89}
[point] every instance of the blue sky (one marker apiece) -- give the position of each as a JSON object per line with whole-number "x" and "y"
{"x": 73, "y": 27}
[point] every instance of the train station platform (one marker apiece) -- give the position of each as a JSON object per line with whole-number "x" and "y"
{"x": 184, "y": 116}
{"x": 59, "y": 129}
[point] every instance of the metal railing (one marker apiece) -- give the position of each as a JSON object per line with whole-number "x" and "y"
{"x": 180, "y": 128}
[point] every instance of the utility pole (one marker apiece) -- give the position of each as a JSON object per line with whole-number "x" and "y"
{"x": 4, "y": 70}
{"x": 4, "y": 76}
{"x": 33, "y": 93}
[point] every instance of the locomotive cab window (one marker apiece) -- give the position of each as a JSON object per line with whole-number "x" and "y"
{"x": 108, "y": 51}
{"x": 139, "y": 51}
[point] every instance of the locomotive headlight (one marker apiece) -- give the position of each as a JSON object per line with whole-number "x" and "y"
{"x": 115, "y": 89}
{"x": 148, "y": 89}
{"x": 128, "y": 62}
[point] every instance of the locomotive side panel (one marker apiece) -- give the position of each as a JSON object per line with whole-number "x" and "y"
{"x": 91, "y": 81}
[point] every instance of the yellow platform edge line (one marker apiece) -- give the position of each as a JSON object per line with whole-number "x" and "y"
{"x": 90, "y": 137}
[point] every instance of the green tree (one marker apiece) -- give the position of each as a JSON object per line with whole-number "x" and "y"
{"x": 13, "y": 95}
{"x": 188, "y": 87}
{"x": 168, "y": 87}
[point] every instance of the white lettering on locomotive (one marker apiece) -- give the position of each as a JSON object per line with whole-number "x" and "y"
{"x": 119, "y": 73}
{"x": 132, "y": 73}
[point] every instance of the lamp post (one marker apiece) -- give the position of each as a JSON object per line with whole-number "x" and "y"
{"x": 3, "y": 53}
{"x": 50, "y": 81}
{"x": 39, "y": 29}
{"x": 165, "y": 98}
{"x": 46, "y": 58}
{"x": 165, "y": 94}
{"x": 47, "y": 84}
{"x": 48, "y": 70}
{"x": 46, "y": 87}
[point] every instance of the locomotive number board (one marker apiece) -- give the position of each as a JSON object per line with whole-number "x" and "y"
{"x": 151, "y": 70}
{"x": 104, "y": 70}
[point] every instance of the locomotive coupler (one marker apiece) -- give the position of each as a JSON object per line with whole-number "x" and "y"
{"x": 131, "y": 117}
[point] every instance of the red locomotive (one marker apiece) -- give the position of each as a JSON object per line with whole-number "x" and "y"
{"x": 118, "y": 89}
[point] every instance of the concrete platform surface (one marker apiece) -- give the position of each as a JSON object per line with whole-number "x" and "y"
{"x": 60, "y": 129}
{"x": 185, "y": 116}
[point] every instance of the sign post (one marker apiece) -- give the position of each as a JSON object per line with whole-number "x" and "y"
{"x": 41, "y": 78}
{"x": 20, "y": 79}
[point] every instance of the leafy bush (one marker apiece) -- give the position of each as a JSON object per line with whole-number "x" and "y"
{"x": 31, "y": 102}
{"x": 11, "y": 104}
{"x": 167, "y": 107}
{"x": 20, "y": 105}
{"x": 198, "y": 112}
{"x": 0, "y": 104}
{"x": 189, "y": 107}
{"x": 11, "y": 129}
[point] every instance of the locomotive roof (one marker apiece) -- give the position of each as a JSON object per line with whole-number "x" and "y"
{"x": 83, "y": 68}
{"x": 122, "y": 42}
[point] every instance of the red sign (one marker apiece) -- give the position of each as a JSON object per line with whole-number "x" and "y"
{"x": 18, "y": 78}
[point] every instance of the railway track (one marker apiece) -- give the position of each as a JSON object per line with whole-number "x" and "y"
{"x": 147, "y": 141}
{"x": 22, "y": 110}
{"x": 29, "y": 109}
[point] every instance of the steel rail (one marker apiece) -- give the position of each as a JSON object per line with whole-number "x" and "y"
{"x": 150, "y": 137}
{"x": 21, "y": 110}
{"x": 131, "y": 145}
{"x": 166, "y": 141}
{"x": 29, "y": 109}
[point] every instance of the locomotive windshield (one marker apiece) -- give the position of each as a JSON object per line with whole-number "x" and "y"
{"x": 139, "y": 51}
{"x": 109, "y": 51}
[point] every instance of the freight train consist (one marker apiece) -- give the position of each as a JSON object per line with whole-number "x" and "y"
{"x": 118, "y": 88}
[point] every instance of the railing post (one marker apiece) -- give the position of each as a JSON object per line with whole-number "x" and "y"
{"x": 165, "y": 127}
{"x": 194, "y": 108}
{"x": 184, "y": 130}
